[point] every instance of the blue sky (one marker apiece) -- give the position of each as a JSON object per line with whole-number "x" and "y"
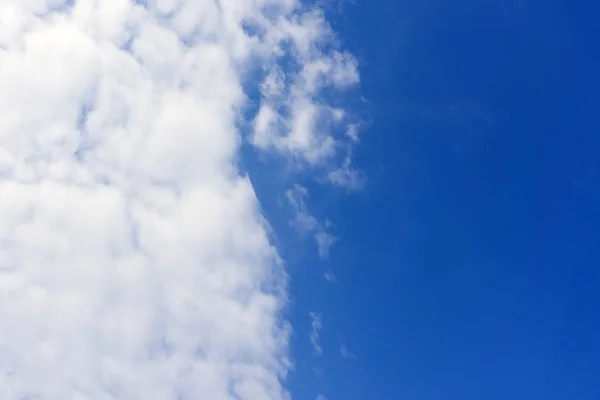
{"x": 467, "y": 268}
{"x": 207, "y": 200}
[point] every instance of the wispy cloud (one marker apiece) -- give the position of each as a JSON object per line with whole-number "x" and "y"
{"x": 316, "y": 326}
{"x": 346, "y": 353}
{"x": 348, "y": 177}
{"x": 308, "y": 224}
{"x": 330, "y": 276}
{"x": 134, "y": 260}
{"x": 324, "y": 242}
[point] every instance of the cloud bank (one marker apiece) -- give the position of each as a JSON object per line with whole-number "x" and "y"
{"x": 134, "y": 260}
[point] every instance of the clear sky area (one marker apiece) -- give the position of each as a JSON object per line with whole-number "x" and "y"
{"x": 469, "y": 266}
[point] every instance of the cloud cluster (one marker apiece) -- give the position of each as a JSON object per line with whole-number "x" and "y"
{"x": 134, "y": 260}
{"x": 293, "y": 118}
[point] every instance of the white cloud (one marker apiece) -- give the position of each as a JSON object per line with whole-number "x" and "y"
{"x": 324, "y": 242}
{"x": 316, "y": 325}
{"x": 292, "y": 119}
{"x": 134, "y": 261}
{"x": 306, "y": 223}
{"x": 330, "y": 276}
{"x": 346, "y": 176}
{"x": 321, "y": 397}
{"x": 346, "y": 353}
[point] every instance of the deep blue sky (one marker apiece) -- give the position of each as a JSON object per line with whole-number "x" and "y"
{"x": 469, "y": 267}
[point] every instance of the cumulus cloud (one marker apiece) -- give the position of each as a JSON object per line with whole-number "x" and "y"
{"x": 292, "y": 118}
{"x": 315, "y": 328}
{"x": 134, "y": 260}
